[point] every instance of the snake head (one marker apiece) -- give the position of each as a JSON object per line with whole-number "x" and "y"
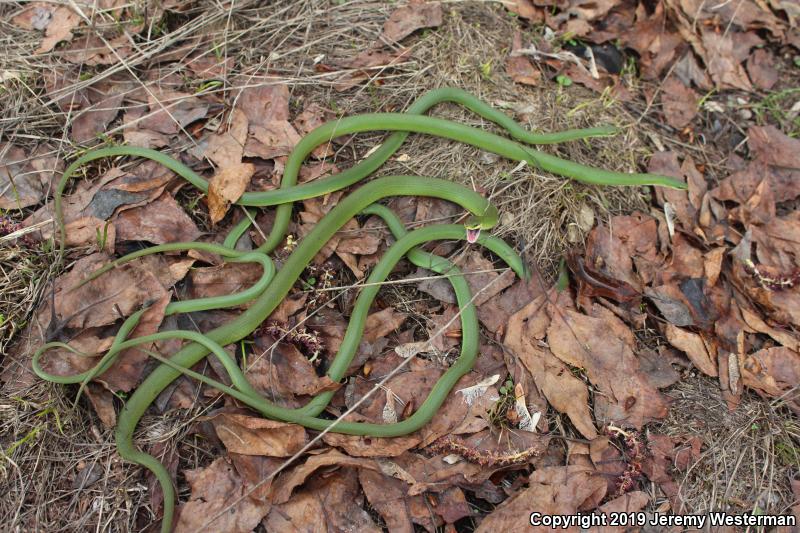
{"x": 473, "y": 227}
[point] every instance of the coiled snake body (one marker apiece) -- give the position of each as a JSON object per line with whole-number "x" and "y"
{"x": 273, "y": 286}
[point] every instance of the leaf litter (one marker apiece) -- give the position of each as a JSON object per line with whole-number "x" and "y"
{"x": 719, "y": 288}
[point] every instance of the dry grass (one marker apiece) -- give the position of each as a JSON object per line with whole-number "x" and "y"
{"x": 60, "y": 471}
{"x": 47, "y": 443}
{"x": 23, "y": 274}
{"x": 541, "y": 211}
{"x": 748, "y": 454}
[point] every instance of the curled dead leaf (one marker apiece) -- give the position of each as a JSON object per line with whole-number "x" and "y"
{"x": 694, "y": 347}
{"x": 226, "y": 187}
{"x": 249, "y": 435}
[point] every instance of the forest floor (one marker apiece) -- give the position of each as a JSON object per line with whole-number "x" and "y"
{"x": 651, "y": 364}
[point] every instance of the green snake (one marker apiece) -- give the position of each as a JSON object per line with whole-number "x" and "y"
{"x": 266, "y": 294}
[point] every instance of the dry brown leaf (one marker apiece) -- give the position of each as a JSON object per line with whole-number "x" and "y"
{"x": 668, "y": 457}
{"x": 425, "y": 474}
{"x": 104, "y": 100}
{"x": 25, "y": 177}
{"x": 267, "y": 110}
{"x": 159, "y": 222}
{"x": 761, "y": 68}
{"x": 689, "y": 71}
{"x": 172, "y": 110}
{"x": 490, "y": 450}
{"x": 331, "y": 502}
{"x": 574, "y": 16}
{"x": 519, "y": 67}
{"x": 331, "y": 325}
{"x": 126, "y": 373}
{"x": 387, "y": 496}
{"x": 780, "y": 335}
{"x": 287, "y": 482}
{"x": 313, "y": 116}
{"x": 671, "y": 303}
{"x": 367, "y": 241}
{"x": 775, "y": 252}
{"x": 406, "y": 20}
{"x": 55, "y": 20}
{"x": 369, "y": 59}
{"x": 654, "y": 41}
{"x": 226, "y": 148}
{"x": 679, "y": 101}
{"x": 92, "y": 50}
{"x": 382, "y": 323}
{"x": 774, "y": 371}
{"x": 425, "y": 503}
{"x": 772, "y": 146}
{"x": 603, "y": 345}
{"x": 658, "y": 366}
{"x": 248, "y": 435}
{"x": 694, "y": 347}
{"x": 407, "y": 387}
{"x": 480, "y": 275}
{"x": 444, "y": 329}
{"x": 301, "y": 514}
{"x": 495, "y": 313}
{"x": 604, "y": 83}
{"x": 629, "y": 240}
{"x": 561, "y": 490}
{"x": 722, "y": 63}
{"x": 281, "y": 370}
{"x": 746, "y": 14}
{"x": 227, "y": 278}
{"x": 256, "y": 472}
{"x": 208, "y": 66}
{"x": 94, "y": 203}
{"x": 218, "y": 489}
{"x": 91, "y": 232}
{"x": 271, "y": 140}
{"x": 630, "y": 502}
{"x": 712, "y": 264}
{"x": 99, "y": 302}
{"x": 226, "y": 187}
{"x": 755, "y": 189}
{"x": 103, "y": 403}
{"x": 62, "y": 362}
{"x": 461, "y": 414}
{"x": 153, "y": 119}
{"x": 364, "y": 242}
{"x": 264, "y": 104}
{"x": 288, "y": 307}
{"x": 566, "y": 393}
{"x": 358, "y": 446}
{"x": 525, "y": 9}
{"x": 608, "y": 460}
{"x": 451, "y": 505}
{"x": 144, "y": 138}
{"x": 686, "y": 204}
{"x": 314, "y": 210}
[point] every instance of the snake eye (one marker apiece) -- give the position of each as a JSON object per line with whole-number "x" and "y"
{"x": 473, "y": 234}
